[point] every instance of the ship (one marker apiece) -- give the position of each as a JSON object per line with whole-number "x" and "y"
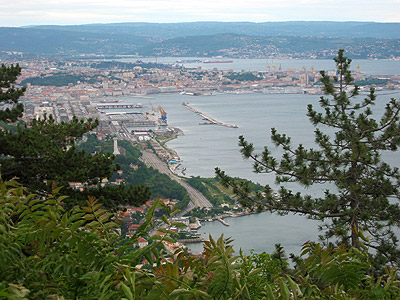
{"x": 187, "y": 61}
{"x": 218, "y": 61}
{"x": 111, "y": 101}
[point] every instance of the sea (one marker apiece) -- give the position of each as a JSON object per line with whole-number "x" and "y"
{"x": 203, "y": 147}
{"x": 367, "y": 66}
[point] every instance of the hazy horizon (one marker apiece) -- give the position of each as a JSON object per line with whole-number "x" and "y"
{"x": 211, "y": 21}
{"x": 21, "y": 13}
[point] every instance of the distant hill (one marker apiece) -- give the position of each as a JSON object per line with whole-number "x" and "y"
{"x": 235, "y": 45}
{"x": 52, "y": 41}
{"x": 232, "y": 39}
{"x": 297, "y": 28}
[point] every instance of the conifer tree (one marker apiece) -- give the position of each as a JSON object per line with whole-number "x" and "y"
{"x": 43, "y": 152}
{"x": 365, "y": 201}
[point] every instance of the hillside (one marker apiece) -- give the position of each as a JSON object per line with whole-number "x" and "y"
{"x": 300, "y": 28}
{"x": 236, "y": 40}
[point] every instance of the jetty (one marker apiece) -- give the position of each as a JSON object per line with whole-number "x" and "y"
{"x": 205, "y": 117}
{"x": 223, "y": 222}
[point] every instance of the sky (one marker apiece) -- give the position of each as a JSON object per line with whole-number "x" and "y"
{"x": 15, "y": 13}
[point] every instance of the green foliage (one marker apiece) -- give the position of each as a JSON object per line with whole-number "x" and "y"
{"x": 61, "y": 79}
{"x": 367, "y": 188}
{"x": 247, "y": 76}
{"x": 147, "y": 181}
{"x": 211, "y": 189}
{"x": 48, "y": 252}
{"x": 207, "y": 188}
{"x": 372, "y": 81}
{"x": 9, "y": 94}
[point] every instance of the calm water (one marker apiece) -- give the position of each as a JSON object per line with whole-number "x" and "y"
{"x": 204, "y": 147}
{"x": 370, "y": 67}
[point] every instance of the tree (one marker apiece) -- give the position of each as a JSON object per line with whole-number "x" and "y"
{"x": 43, "y": 152}
{"x": 367, "y": 189}
{"x": 9, "y": 94}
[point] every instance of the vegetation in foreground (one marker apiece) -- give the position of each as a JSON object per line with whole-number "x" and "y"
{"x": 49, "y": 252}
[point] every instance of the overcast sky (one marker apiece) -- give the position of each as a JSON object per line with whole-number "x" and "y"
{"x": 71, "y": 12}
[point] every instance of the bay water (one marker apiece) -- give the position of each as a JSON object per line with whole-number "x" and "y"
{"x": 204, "y": 147}
{"x": 367, "y": 66}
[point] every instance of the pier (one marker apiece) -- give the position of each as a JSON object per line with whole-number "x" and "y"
{"x": 183, "y": 241}
{"x": 223, "y": 222}
{"x": 211, "y": 120}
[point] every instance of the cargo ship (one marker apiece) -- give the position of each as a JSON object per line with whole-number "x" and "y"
{"x": 218, "y": 61}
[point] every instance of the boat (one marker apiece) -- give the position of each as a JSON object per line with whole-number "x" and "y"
{"x": 218, "y": 61}
{"x": 111, "y": 101}
{"x": 187, "y": 61}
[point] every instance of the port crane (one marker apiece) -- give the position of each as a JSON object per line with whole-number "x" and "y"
{"x": 152, "y": 107}
{"x": 163, "y": 114}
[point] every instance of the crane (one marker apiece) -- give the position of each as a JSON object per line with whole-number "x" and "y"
{"x": 163, "y": 114}
{"x": 152, "y": 107}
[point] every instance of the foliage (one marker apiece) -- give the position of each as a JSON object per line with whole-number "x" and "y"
{"x": 48, "y": 252}
{"x": 9, "y": 94}
{"x": 215, "y": 192}
{"x": 61, "y": 79}
{"x": 372, "y": 81}
{"x": 207, "y": 188}
{"x": 143, "y": 178}
{"x": 367, "y": 189}
{"x": 246, "y": 76}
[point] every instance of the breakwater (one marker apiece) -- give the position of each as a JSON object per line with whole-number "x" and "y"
{"x": 223, "y": 222}
{"x": 209, "y": 119}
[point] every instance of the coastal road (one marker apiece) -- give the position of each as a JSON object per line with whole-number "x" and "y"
{"x": 197, "y": 198}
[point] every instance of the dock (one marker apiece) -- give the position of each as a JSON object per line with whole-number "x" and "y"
{"x": 211, "y": 120}
{"x": 114, "y": 106}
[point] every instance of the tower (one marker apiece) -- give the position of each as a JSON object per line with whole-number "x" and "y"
{"x": 116, "y": 151}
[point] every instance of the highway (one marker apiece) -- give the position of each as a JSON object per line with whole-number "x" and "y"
{"x": 197, "y": 198}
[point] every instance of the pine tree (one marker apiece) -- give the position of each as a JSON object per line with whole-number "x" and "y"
{"x": 365, "y": 201}
{"x": 43, "y": 153}
{"x": 9, "y": 94}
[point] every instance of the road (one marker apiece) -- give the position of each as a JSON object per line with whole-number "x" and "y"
{"x": 197, "y": 198}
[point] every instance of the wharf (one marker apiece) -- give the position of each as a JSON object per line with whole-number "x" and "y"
{"x": 113, "y": 106}
{"x": 211, "y": 120}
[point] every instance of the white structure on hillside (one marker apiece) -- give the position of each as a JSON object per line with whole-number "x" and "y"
{"x": 116, "y": 151}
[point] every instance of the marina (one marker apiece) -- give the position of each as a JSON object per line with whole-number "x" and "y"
{"x": 207, "y": 118}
